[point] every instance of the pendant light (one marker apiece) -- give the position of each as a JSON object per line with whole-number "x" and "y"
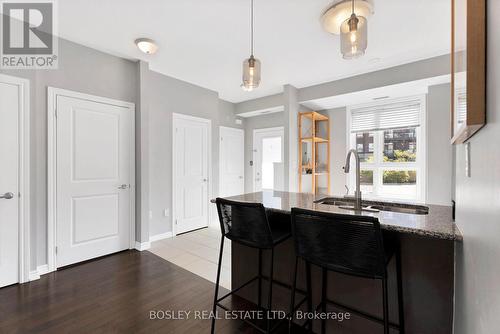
{"x": 353, "y": 36}
{"x": 251, "y": 66}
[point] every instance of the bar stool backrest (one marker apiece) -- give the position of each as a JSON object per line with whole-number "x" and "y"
{"x": 342, "y": 243}
{"x": 245, "y": 223}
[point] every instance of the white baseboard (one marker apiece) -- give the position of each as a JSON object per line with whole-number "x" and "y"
{"x": 160, "y": 236}
{"x": 34, "y": 275}
{"x": 142, "y": 246}
{"x": 40, "y": 271}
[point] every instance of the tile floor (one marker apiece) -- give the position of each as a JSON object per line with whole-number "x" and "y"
{"x": 197, "y": 252}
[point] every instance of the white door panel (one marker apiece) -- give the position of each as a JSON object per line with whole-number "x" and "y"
{"x": 9, "y": 206}
{"x": 231, "y": 164}
{"x": 191, "y": 152}
{"x": 268, "y": 150}
{"x": 93, "y": 162}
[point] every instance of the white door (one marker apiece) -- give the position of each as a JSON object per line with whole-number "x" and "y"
{"x": 94, "y": 176}
{"x": 9, "y": 187}
{"x": 191, "y": 172}
{"x": 268, "y": 153}
{"x": 231, "y": 161}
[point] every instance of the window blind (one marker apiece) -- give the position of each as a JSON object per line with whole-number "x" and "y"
{"x": 461, "y": 107}
{"x": 386, "y": 116}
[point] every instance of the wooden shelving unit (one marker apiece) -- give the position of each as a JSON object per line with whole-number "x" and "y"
{"x": 314, "y": 153}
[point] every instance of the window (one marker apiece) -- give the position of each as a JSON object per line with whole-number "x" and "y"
{"x": 389, "y": 138}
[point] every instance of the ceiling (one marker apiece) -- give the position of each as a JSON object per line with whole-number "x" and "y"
{"x": 205, "y": 41}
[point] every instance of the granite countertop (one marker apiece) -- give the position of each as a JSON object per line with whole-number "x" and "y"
{"x": 437, "y": 223}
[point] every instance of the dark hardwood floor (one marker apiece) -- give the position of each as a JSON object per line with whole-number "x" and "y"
{"x": 113, "y": 294}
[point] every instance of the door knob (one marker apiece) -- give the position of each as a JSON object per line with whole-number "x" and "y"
{"x": 205, "y": 180}
{"x": 7, "y": 196}
{"x": 123, "y": 186}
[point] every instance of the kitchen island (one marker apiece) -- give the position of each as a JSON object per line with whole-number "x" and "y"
{"x": 427, "y": 253}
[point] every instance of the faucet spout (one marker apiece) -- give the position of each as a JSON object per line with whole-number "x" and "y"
{"x": 357, "y": 194}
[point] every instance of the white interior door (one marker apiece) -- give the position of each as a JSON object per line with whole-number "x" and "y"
{"x": 9, "y": 187}
{"x": 191, "y": 172}
{"x": 231, "y": 161}
{"x": 268, "y": 145}
{"x": 94, "y": 159}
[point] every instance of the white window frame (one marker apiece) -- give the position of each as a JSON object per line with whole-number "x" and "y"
{"x": 420, "y": 165}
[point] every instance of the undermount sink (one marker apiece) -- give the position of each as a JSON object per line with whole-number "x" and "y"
{"x": 373, "y": 206}
{"x": 414, "y": 210}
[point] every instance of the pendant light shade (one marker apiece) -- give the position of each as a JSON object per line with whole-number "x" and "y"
{"x": 353, "y": 36}
{"x": 251, "y": 74}
{"x": 251, "y": 66}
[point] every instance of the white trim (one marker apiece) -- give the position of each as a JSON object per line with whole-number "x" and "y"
{"x": 160, "y": 236}
{"x": 52, "y": 94}
{"x": 273, "y": 130}
{"x": 40, "y": 271}
{"x": 34, "y": 275}
{"x": 177, "y": 116}
{"x": 142, "y": 246}
{"x": 24, "y": 174}
{"x": 420, "y": 164}
{"x": 43, "y": 269}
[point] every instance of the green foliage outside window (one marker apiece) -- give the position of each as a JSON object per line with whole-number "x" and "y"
{"x": 401, "y": 156}
{"x": 399, "y": 177}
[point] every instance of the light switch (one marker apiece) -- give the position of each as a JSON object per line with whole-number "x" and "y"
{"x": 150, "y": 214}
{"x": 166, "y": 212}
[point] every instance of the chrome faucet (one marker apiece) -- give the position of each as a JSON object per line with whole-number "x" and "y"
{"x": 357, "y": 194}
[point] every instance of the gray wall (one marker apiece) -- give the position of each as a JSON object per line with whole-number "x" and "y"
{"x": 80, "y": 69}
{"x": 165, "y": 96}
{"x": 477, "y": 271}
{"x": 439, "y": 150}
{"x": 258, "y": 122}
{"x": 338, "y": 149}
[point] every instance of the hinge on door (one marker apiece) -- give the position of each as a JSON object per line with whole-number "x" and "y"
{"x": 55, "y": 113}
{"x": 176, "y": 222}
{"x": 56, "y": 250}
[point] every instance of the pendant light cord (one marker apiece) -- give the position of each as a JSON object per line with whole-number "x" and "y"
{"x": 251, "y": 28}
{"x": 352, "y": 6}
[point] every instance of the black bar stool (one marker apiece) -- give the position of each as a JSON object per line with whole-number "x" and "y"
{"x": 348, "y": 245}
{"x": 249, "y": 225}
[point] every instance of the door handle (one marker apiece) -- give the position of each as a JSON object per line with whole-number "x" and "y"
{"x": 205, "y": 180}
{"x": 124, "y": 186}
{"x": 8, "y": 195}
{"x": 240, "y": 177}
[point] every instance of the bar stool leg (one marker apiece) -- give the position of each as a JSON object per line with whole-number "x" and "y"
{"x": 309, "y": 293}
{"x": 214, "y": 308}
{"x": 294, "y": 287}
{"x": 270, "y": 295}
{"x": 400, "y": 292}
{"x": 259, "y": 298}
{"x": 385, "y": 305}
{"x": 323, "y": 299}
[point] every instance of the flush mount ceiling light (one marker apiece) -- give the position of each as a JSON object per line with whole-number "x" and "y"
{"x": 251, "y": 66}
{"x": 334, "y": 16}
{"x": 146, "y": 45}
{"x": 348, "y": 18}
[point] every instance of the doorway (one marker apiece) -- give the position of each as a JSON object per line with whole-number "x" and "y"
{"x": 14, "y": 180}
{"x": 268, "y": 153}
{"x": 91, "y": 177}
{"x": 191, "y": 171}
